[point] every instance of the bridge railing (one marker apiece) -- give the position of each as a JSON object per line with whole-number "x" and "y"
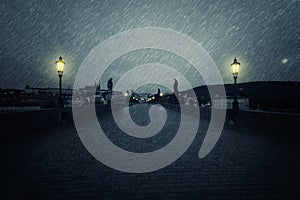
{"x": 256, "y": 120}
{"x": 13, "y": 123}
{"x": 269, "y": 121}
{"x": 28, "y": 121}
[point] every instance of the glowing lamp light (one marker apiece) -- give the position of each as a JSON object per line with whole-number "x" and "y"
{"x": 235, "y": 67}
{"x": 161, "y": 94}
{"x": 60, "y": 65}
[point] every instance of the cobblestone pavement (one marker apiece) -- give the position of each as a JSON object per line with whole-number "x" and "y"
{"x": 245, "y": 164}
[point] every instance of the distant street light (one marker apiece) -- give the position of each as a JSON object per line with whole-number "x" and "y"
{"x": 235, "y": 67}
{"x": 126, "y": 94}
{"x": 60, "y": 64}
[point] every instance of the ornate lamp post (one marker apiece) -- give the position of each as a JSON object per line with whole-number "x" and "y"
{"x": 60, "y": 64}
{"x": 235, "y": 66}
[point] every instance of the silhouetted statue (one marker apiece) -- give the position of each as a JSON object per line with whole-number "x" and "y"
{"x": 110, "y": 84}
{"x": 175, "y": 86}
{"x": 177, "y": 95}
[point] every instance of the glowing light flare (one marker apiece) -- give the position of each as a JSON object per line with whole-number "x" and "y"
{"x": 284, "y": 61}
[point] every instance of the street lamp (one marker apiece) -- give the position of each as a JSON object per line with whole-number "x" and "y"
{"x": 60, "y": 64}
{"x": 235, "y": 67}
{"x": 126, "y": 94}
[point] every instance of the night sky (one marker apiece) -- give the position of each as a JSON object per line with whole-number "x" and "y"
{"x": 263, "y": 34}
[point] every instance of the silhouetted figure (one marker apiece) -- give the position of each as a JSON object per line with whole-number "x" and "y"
{"x": 110, "y": 84}
{"x": 175, "y": 86}
{"x": 176, "y": 92}
{"x": 157, "y": 96}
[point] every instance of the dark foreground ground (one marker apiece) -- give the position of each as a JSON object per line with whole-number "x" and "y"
{"x": 245, "y": 164}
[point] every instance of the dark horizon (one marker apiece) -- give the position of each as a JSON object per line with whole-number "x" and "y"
{"x": 239, "y": 83}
